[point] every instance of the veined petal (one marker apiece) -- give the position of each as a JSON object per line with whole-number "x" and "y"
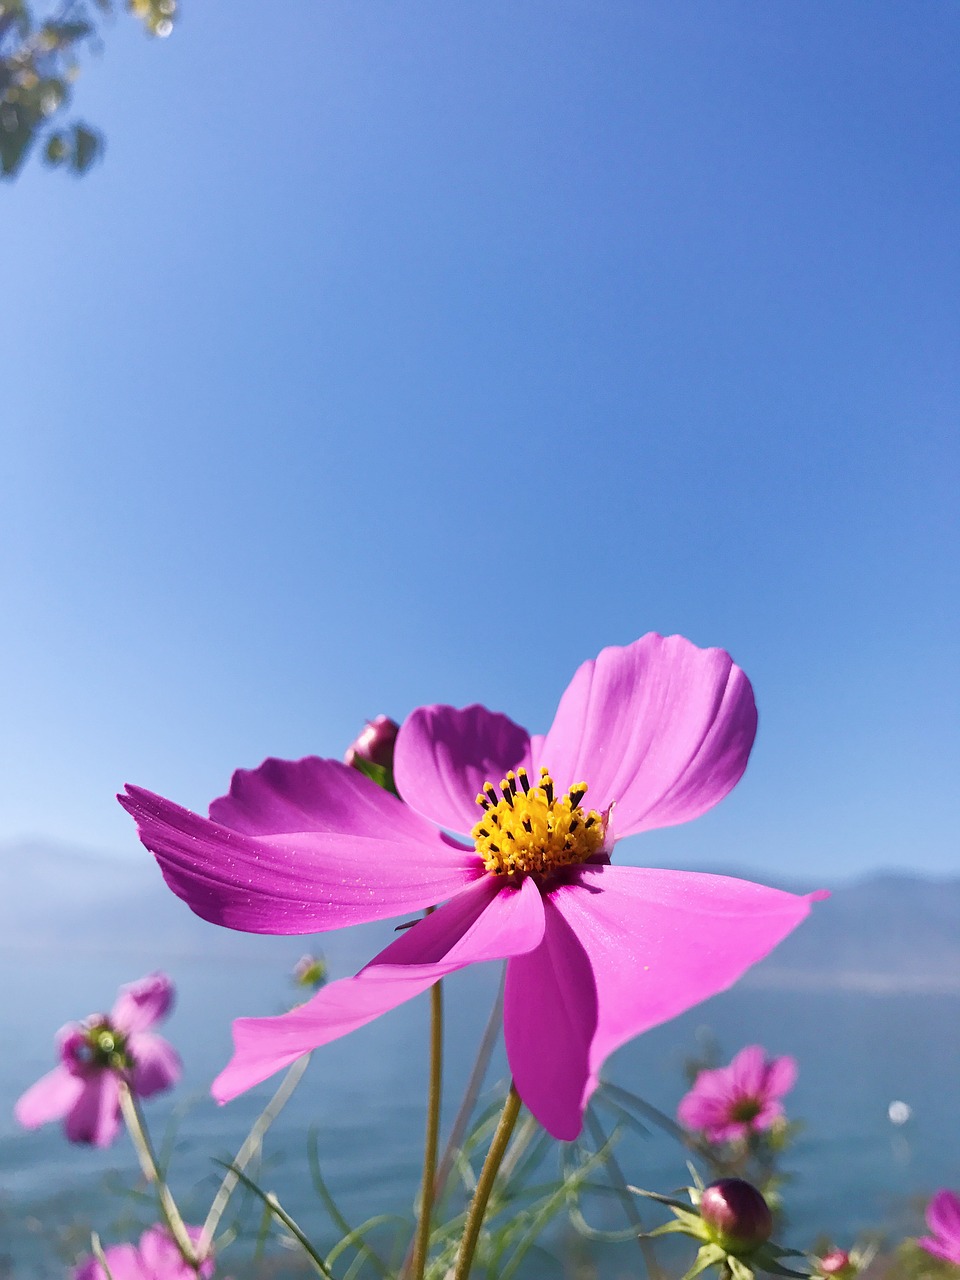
{"x": 444, "y": 755}
{"x": 660, "y": 728}
{"x": 156, "y": 1064}
{"x": 140, "y": 1004}
{"x": 486, "y": 921}
{"x": 50, "y": 1098}
{"x": 943, "y": 1215}
{"x": 625, "y": 949}
{"x": 315, "y": 795}
{"x": 95, "y": 1116}
{"x": 299, "y": 882}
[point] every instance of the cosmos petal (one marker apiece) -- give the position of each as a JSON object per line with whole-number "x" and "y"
{"x": 299, "y": 882}
{"x": 660, "y": 728}
{"x": 157, "y": 1064}
{"x": 123, "y": 1260}
{"x": 140, "y": 1004}
{"x": 95, "y": 1116}
{"x": 748, "y": 1071}
{"x": 314, "y": 795}
{"x": 486, "y": 921}
{"x": 625, "y": 949}
{"x": 781, "y": 1076}
{"x": 444, "y": 755}
{"x": 943, "y": 1216}
{"x": 50, "y": 1098}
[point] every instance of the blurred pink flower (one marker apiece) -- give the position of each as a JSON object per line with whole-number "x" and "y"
{"x": 659, "y": 731}
{"x": 731, "y": 1102}
{"x": 156, "y": 1258}
{"x": 95, "y": 1055}
{"x": 943, "y": 1219}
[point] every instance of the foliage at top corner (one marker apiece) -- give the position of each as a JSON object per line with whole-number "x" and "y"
{"x": 40, "y": 47}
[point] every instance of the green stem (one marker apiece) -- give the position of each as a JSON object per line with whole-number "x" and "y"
{"x": 151, "y": 1171}
{"x": 250, "y": 1146}
{"x": 488, "y": 1174}
{"x": 471, "y": 1093}
{"x": 432, "y": 1140}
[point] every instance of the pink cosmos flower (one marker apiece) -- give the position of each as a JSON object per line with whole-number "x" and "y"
{"x": 731, "y": 1102}
{"x": 656, "y": 732}
{"x": 156, "y": 1258}
{"x": 943, "y": 1219}
{"x": 95, "y": 1055}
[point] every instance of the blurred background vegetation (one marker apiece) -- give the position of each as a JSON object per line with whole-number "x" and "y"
{"x": 40, "y": 52}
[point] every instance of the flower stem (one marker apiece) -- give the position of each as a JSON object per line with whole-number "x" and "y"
{"x": 250, "y": 1146}
{"x": 431, "y": 1142}
{"x": 151, "y": 1171}
{"x": 472, "y": 1092}
{"x": 488, "y": 1174}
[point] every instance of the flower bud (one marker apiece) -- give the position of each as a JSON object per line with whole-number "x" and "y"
{"x": 374, "y": 744}
{"x": 310, "y": 971}
{"x": 836, "y": 1263}
{"x": 736, "y": 1215}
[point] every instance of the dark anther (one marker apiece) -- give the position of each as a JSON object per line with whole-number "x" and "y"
{"x": 590, "y": 821}
{"x": 524, "y": 780}
{"x": 573, "y": 826}
{"x": 576, "y": 795}
{"x": 527, "y": 826}
{"x": 507, "y": 793}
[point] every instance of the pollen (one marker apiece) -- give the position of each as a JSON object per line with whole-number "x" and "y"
{"x": 527, "y": 830}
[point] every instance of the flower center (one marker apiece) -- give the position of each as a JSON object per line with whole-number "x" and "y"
{"x": 528, "y": 831}
{"x": 103, "y": 1046}
{"x": 745, "y": 1109}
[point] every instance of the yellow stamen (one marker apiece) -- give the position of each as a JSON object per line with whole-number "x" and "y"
{"x": 527, "y": 830}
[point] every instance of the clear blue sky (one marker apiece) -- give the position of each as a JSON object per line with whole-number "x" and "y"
{"x": 415, "y": 351}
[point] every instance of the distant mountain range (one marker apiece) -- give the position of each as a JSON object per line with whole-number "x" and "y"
{"x": 885, "y": 933}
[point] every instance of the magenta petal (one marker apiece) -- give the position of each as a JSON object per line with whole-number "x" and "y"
{"x": 157, "y": 1064}
{"x": 781, "y": 1076}
{"x": 122, "y": 1259}
{"x": 486, "y": 921}
{"x": 50, "y": 1098}
{"x": 943, "y": 1216}
{"x": 445, "y": 755}
{"x": 630, "y": 948}
{"x": 140, "y": 1004}
{"x": 549, "y": 1019}
{"x": 748, "y": 1070}
{"x": 95, "y": 1116}
{"x": 314, "y": 795}
{"x": 162, "y": 1259}
{"x": 301, "y": 882}
{"x": 660, "y": 728}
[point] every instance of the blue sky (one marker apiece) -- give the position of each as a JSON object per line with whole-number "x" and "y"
{"x": 403, "y": 353}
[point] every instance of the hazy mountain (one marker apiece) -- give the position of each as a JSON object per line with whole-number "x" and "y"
{"x": 884, "y": 933}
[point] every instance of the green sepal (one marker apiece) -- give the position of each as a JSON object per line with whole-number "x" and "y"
{"x": 710, "y": 1255}
{"x": 655, "y": 1195}
{"x": 738, "y": 1268}
{"x": 693, "y": 1227}
{"x": 376, "y": 773}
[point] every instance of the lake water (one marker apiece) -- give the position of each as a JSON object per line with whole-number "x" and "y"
{"x": 365, "y": 1096}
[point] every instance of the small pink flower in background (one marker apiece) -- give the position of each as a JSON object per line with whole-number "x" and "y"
{"x": 943, "y": 1219}
{"x": 732, "y": 1102}
{"x": 95, "y": 1055}
{"x": 155, "y": 1258}
{"x": 658, "y": 732}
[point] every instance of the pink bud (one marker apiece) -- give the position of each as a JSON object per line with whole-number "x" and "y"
{"x": 835, "y": 1263}
{"x": 374, "y": 744}
{"x": 736, "y": 1215}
